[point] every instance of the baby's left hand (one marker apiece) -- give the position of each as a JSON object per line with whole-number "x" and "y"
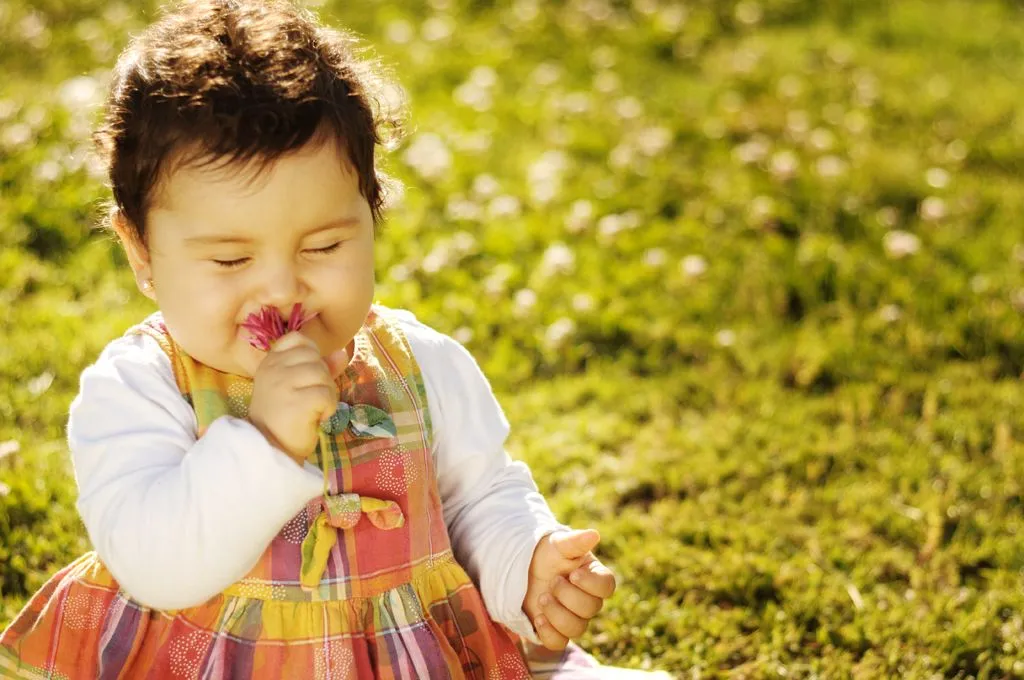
{"x": 567, "y": 586}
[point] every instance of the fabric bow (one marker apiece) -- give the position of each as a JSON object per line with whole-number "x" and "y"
{"x": 362, "y": 420}
{"x": 342, "y": 511}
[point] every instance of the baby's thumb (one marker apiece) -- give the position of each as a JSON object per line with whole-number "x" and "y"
{"x": 337, "y": 361}
{"x": 575, "y": 544}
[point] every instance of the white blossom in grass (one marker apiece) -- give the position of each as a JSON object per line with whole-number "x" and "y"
{"x": 463, "y": 335}
{"x": 1017, "y": 300}
{"x": 607, "y": 227}
{"x": 784, "y": 164}
{"x": 463, "y": 243}
{"x": 645, "y": 7}
{"x": 504, "y": 206}
{"x": 524, "y": 302}
{"x": 797, "y": 124}
{"x": 890, "y": 313}
{"x": 526, "y": 10}
{"x": 607, "y": 82}
{"x": 888, "y": 216}
{"x": 693, "y": 266}
{"x": 752, "y": 151}
{"x": 761, "y": 210}
{"x": 476, "y": 98}
{"x": 477, "y": 91}
{"x": 622, "y": 156}
{"x": 47, "y": 171}
{"x": 610, "y": 225}
{"x": 899, "y": 244}
{"x": 544, "y": 175}
{"x": 653, "y": 140}
{"x": 748, "y": 13}
{"x": 437, "y": 28}
{"x": 546, "y": 74}
{"x": 496, "y": 282}
{"x": 629, "y": 108}
{"x": 956, "y": 150}
{"x": 40, "y": 383}
{"x": 8, "y": 109}
{"x": 655, "y": 257}
{"x": 79, "y": 92}
{"x": 9, "y": 447}
{"x": 725, "y": 338}
{"x": 865, "y": 88}
{"x": 459, "y": 208}
{"x": 822, "y": 139}
{"x": 557, "y": 259}
{"x": 670, "y": 18}
{"x": 558, "y": 333}
{"x": 95, "y": 167}
{"x": 436, "y": 259}
{"x": 830, "y": 167}
{"x": 937, "y": 178}
{"x": 745, "y": 60}
{"x": 399, "y": 272}
{"x": 16, "y": 135}
{"x": 583, "y": 303}
{"x": 932, "y": 209}
{"x": 581, "y": 216}
{"x": 428, "y": 156}
{"x": 399, "y": 31}
{"x": 33, "y": 29}
{"x": 485, "y": 186}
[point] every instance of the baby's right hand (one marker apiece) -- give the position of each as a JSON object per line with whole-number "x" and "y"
{"x": 293, "y": 391}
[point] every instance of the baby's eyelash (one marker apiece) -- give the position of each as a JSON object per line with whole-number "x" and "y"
{"x": 231, "y": 264}
{"x": 326, "y": 249}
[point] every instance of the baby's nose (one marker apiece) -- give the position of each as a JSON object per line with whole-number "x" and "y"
{"x": 282, "y": 288}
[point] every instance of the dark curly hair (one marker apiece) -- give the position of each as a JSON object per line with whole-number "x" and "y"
{"x": 234, "y": 82}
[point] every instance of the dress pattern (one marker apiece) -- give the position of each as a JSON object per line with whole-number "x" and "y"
{"x": 361, "y": 583}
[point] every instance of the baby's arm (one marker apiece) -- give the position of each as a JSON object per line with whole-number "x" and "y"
{"x": 174, "y": 519}
{"x": 494, "y": 513}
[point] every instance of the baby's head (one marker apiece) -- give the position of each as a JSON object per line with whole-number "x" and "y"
{"x": 240, "y": 140}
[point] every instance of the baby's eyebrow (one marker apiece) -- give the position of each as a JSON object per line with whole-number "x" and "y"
{"x": 221, "y": 239}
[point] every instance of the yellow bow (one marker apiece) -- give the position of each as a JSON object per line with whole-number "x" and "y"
{"x": 341, "y": 511}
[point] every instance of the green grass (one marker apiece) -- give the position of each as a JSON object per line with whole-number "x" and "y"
{"x": 802, "y": 448}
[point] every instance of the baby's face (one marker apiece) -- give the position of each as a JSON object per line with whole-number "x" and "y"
{"x": 222, "y": 245}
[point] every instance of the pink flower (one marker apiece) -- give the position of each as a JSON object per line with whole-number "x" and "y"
{"x": 267, "y": 325}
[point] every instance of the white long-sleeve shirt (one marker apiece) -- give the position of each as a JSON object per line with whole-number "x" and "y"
{"x": 177, "y": 518}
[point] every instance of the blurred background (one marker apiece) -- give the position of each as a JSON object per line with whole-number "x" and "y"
{"x": 748, "y": 278}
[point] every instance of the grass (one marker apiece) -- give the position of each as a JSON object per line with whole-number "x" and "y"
{"x": 748, "y": 278}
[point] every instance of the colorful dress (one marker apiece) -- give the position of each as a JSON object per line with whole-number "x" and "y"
{"x": 361, "y": 584}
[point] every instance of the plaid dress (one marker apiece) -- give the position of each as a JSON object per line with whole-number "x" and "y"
{"x": 361, "y": 584}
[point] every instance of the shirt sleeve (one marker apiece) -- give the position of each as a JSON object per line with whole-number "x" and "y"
{"x": 494, "y": 512}
{"x": 175, "y": 518}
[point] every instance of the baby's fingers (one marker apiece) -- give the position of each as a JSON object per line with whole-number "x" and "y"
{"x": 583, "y": 605}
{"x": 594, "y": 578}
{"x": 548, "y": 636}
{"x": 564, "y": 623}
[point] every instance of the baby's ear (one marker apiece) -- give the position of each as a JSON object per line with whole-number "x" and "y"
{"x": 135, "y": 249}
